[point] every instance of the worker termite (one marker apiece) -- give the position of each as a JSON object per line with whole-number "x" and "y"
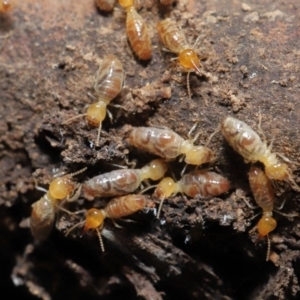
{"x": 108, "y": 84}
{"x": 264, "y": 197}
{"x": 173, "y": 38}
{"x": 106, "y": 5}
{"x": 43, "y": 211}
{"x": 137, "y": 31}
{"x": 168, "y": 144}
{"x": 244, "y": 140}
{"x": 123, "y": 181}
{"x": 116, "y": 208}
{"x": 198, "y": 182}
{"x": 5, "y": 6}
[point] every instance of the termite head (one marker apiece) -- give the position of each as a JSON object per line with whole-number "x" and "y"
{"x": 157, "y": 169}
{"x": 265, "y": 225}
{"x": 94, "y": 219}
{"x": 96, "y": 113}
{"x": 189, "y": 59}
{"x": 277, "y": 171}
{"x": 126, "y": 3}
{"x": 165, "y": 188}
{"x": 60, "y": 188}
{"x": 197, "y": 155}
{"x": 5, "y": 6}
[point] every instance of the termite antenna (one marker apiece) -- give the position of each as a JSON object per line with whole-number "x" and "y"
{"x": 148, "y": 188}
{"x": 269, "y": 248}
{"x": 73, "y": 118}
{"x": 98, "y": 135}
{"x": 78, "y": 172}
{"x": 188, "y": 85}
{"x": 159, "y": 208}
{"x": 100, "y": 240}
{"x": 73, "y": 227}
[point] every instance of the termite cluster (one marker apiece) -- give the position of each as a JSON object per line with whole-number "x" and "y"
{"x": 162, "y": 142}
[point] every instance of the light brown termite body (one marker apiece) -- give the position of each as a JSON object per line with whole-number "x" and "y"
{"x": 244, "y": 140}
{"x": 174, "y": 39}
{"x": 198, "y": 182}
{"x": 108, "y": 84}
{"x": 123, "y": 181}
{"x": 168, "y": 144}
{"x": 263, "y": 193}
{"x": 43, "y": 211}
{"x": 5, "y": 6}
{"x": 137, "y": 31}
{"x": 106, "y": 5}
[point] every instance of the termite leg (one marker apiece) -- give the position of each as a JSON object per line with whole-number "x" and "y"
{"x": 39, "y": 188}
{"x": 249, "y": 205}
{"x": 218, "y": 129}
{"x": 73, "y": 227}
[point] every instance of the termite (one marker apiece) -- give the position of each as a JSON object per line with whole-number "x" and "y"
{"x": 108, "y": 84}
{"x": 5, "y": 6}
{"x": 174, "y": 39}
{"x": 198, "y": 182}
{"x": 137, "y": 31}
{"x": 106, "y": 5}
{"x": 168, "y": 144}
{"x": 116, "y": 208}
{"x": 244, "y": 140}
{"x": 43, "y": 211}
{"x": 263, "y": 193}
{"x": 123, "y": 181}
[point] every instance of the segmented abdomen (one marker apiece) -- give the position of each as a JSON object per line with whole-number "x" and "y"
{"x": 162, "y": 142}
{"x": 124, "y": 206}
{"x": 204, "y": 183}
{"x": 115, "y": 183}
{"x": 137, "y": 33}
{"x": 171, "y": 36}
{"x": 262, "y": 189}
{"x": 109, "y": 80}
{"x": 243, "y": 139}
{"x": 42, "y": 218}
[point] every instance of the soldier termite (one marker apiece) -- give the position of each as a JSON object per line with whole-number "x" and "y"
{"x": 5, "y": 6}
{"x": 108, "y": 84}
{"x": 123, "y": 181}
{"x": 244, "y": 140}
{"x": 137, "y": 31}
{"x": 198, "y": 182}
{"x": 43, "y": 211}
{"x": 173, "y": 38}
{"x": 168, "y": 144}
{"x": 116, "y": 208}
{"x": 106, "y": 5}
